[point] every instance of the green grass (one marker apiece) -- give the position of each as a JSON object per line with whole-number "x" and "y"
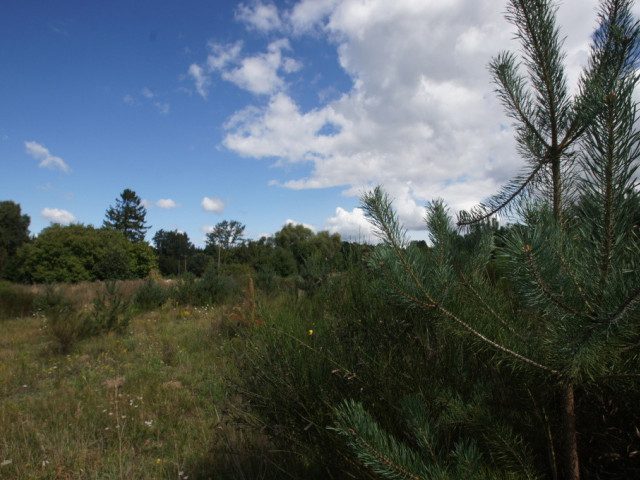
{"x": 150, "y": 403}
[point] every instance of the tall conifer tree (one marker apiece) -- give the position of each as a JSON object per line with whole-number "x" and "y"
{"x": 128, "y": 216}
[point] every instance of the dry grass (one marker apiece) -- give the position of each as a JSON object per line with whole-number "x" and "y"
{"x": 145, "y": 405}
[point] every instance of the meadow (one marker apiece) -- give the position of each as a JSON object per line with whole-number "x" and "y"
{"x": 150, "y": 402}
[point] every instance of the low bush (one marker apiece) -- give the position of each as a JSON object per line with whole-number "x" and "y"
{"x": 150, "y": 295}
{"x": 63, "y": 320}
{"x": 212, "y": 289}
{"x": 312, "y": 350}
{"x": 68, "y": 323}
{"x": 111, "y": 313}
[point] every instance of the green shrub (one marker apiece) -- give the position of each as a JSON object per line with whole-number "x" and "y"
{"x": 68, "y": 324}
{"x": 213, "y": 288}
{"x": 111, "y": 313}
{"x": 314, "y": 349}
{"x": 63, "y": 321}
{"x": 150, "y": 295}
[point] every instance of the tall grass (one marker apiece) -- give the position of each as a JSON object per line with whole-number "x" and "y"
{"x": 149, "y": 404}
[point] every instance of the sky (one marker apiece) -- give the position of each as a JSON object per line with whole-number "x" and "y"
{"x": 264, "y": 112}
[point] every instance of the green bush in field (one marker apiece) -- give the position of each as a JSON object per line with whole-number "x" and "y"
{"x": 68, "y": 324}
{"x": 213, "y": 288}
{"x": 150, "y": 295}
{"x": 111, "y": 313}
{"x": 63, "y": 320}
{"x": 318, "y": 347}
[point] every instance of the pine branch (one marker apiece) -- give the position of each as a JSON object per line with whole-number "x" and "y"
{"x": 488, "y": 307}
{"x": 382, "y": 458}
{"x": 378, "y": 208}
{"x": 567, "y": 268}
{"x": 542, "y": 285}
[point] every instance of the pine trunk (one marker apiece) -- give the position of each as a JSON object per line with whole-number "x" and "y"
{"x": 571, "y": 459}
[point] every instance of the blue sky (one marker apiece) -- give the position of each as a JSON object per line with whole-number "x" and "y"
{"x": 257, "y": 111}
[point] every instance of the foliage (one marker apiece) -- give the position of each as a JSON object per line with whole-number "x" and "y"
{"x": 226, "y": 234}
{"x": 128, "y": 216}
{"x": 111, "y": 313}
{"x": 173, "y": 249}
{"x": 150, "y": 296}
{"x": 69, "y": 323}
{"x": 213, "y": 288}
{"x": 63, "y": 320}
{"x": 77, "y": 253}
{"x": 311, "y": 350}
{"x": 442, "y": 451}
{"x": 14, "y": 231}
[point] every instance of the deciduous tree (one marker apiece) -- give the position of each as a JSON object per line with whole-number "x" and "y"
{"x": 14, "y": 231}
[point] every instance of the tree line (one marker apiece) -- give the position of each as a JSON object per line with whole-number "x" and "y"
{"x": 118, "y": 250}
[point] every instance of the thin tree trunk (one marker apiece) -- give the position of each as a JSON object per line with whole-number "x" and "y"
{"x": 571, "y": 460}
{"x": 556, "y": 174}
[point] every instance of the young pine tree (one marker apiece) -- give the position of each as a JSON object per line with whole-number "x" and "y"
{"x": 573, "y": 318}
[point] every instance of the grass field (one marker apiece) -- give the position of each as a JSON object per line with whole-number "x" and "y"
{"x": 150, "y": 403}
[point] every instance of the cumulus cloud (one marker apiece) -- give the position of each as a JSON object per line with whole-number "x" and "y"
{"x": 167, "y": 203}
{"x": 47, "y": 160}
{"x": 420, "y": 111}
{"x": 261, "y": 73}
{"x": 259, "y": 16}
{"x": 421, "y": 116}
{"x": 214, "y": 204}
{"x": 351, "y": 225}
{"x": 56, "y": 215}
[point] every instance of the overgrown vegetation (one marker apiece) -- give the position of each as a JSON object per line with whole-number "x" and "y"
{"x": 493, "y": 352}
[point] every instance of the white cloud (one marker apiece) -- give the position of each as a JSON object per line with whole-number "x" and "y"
{"x": 260, "y": 74}
{"x": 167, "y": 203}
{"x": 56, "y": 215}
{"x": 352, "y": 225}
{"x": 259, "y": 16}
{"x": 222, "y": 55}
{"x": 39, "y": 152}
{"x": 200, "y": 78}
{"x": 308, "y": 15}
{"x": 213, "y": 204}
